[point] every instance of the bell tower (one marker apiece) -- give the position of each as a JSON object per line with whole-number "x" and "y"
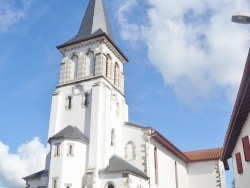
{"x": 88, "y": 107}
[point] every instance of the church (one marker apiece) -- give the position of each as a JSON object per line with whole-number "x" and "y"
{"x": 92, "y": 144}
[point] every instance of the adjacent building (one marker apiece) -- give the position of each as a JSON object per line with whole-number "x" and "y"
{"x": 236, "y": 144}
{"x": 92, "y": 144}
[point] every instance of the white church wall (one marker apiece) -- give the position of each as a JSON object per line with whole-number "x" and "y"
{"x": 222, "y": 174}
{"x": 136, "y": 182}
{"x": 206, "y": 171}
{"x": 56, "y": 161}
{"x": 65, "y": 163}
{"x": 132, "y": 142}
{"x": 242, "y": 180}
{"x": 166, "y": 168}
{"x": 115, "y": 178}
{"x": 105, "y": 117}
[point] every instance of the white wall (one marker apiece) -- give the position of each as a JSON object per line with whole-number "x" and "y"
{"x": 204, "y": 173}
{"x": 63, "y": 166}
{"x": 166, "y": 168}
{"x": 242, "y": 180}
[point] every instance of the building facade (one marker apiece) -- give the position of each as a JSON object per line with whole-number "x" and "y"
{"x": 92, "y": 144}
{"x": 236, "y": 144}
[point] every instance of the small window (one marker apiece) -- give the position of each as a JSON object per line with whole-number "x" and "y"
{"x": 68, "y": 103}
{"x": 116, "y": 74}
{"x": 156, "y": 165}
{"x": 68, "y": 185}
{"x": 85, "y": 100}
{"x": 107, "y": 66}
{"x": 113, "y": 137}
{"x": 57, "y": 150}
{"x": 110, "y": 186}
{"x": 54, "y": 182}
{"x": 71, "y": 150}
{"x": 130, "y": 151}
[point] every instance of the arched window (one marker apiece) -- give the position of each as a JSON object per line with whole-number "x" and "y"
{"x": 113, "y": 138}
{"x": 74, "y": 67}
{"x": 130, "y": 151}
{"x": 108, "y": 59}
{"x": 116, "y": 74}
{"x": 90, "y": 63}
{"x": 110, "y": 185}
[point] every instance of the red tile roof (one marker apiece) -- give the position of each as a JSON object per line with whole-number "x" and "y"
{"x": 204, "y": 155}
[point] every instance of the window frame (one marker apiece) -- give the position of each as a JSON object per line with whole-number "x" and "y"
{"x": 57, "y": 150}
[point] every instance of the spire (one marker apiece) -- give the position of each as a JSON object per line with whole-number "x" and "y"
{"x": 95, "y": 22}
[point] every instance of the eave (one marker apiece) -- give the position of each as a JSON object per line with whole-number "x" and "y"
{"x": 171, "y": 147}
{"x": 239, "y": 114}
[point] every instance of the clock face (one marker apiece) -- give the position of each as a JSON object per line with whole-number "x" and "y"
{"x": 78, "y": 90}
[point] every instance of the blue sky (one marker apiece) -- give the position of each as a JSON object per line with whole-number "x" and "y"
{"x": 186, "y": 62}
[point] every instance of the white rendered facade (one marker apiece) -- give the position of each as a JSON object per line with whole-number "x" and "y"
{"x": 236, "y": 144}
{"x": 91, "y": 143}
{"x": 242, "y": 178}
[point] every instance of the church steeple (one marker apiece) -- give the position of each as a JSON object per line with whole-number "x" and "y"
{"x": 95, "y": 23}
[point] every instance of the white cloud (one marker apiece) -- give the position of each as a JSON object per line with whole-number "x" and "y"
{"x": 130, "y": 31}
{"x": 11, "y": 12}
{"x": 30, "y": 158}
{"x": 193, "y": 44}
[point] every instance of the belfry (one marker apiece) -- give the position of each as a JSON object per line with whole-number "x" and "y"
{"x": 92, "y": 144}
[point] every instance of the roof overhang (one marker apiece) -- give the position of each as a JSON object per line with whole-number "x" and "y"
{"x": 171, "y": 147}
{"x": 239, "y": 114}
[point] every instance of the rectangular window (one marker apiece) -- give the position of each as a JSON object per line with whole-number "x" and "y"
{"x": 57, "y": 150}
{"x": 86, "y": 99}
{"x": 54, "y": 182}
{"x": 68, "y": 103}
{"x": 68, "y": 185}
{"x": 239, "y": 163}
{"x": 245, "y": 142}
{"x": 156, "y": 165}
{"x": 70, "y": 149}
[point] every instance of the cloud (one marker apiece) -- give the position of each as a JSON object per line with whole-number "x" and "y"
{"x": 193, "y": 44}
{"x": 30, "y": 158}
{"x": 11, "y": 12}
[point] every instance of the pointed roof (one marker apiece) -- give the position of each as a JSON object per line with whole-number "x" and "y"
{"x": 117, "y": 164}
{"x": 37, "y": 175}
{"x": 95, "y": 23}
{"x": 69, "y": 133}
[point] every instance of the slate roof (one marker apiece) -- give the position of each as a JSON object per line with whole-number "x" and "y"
{"x": 37, "y": 175}
{"x": 239, "y": 114}
{"x": 204, "y": 155}
{"x": 117, "y": 164}
{"x": 95, "y": 23}
{"x": 69, "y": 133}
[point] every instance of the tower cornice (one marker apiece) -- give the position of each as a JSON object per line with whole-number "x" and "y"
{"x": 91, "y": 40}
